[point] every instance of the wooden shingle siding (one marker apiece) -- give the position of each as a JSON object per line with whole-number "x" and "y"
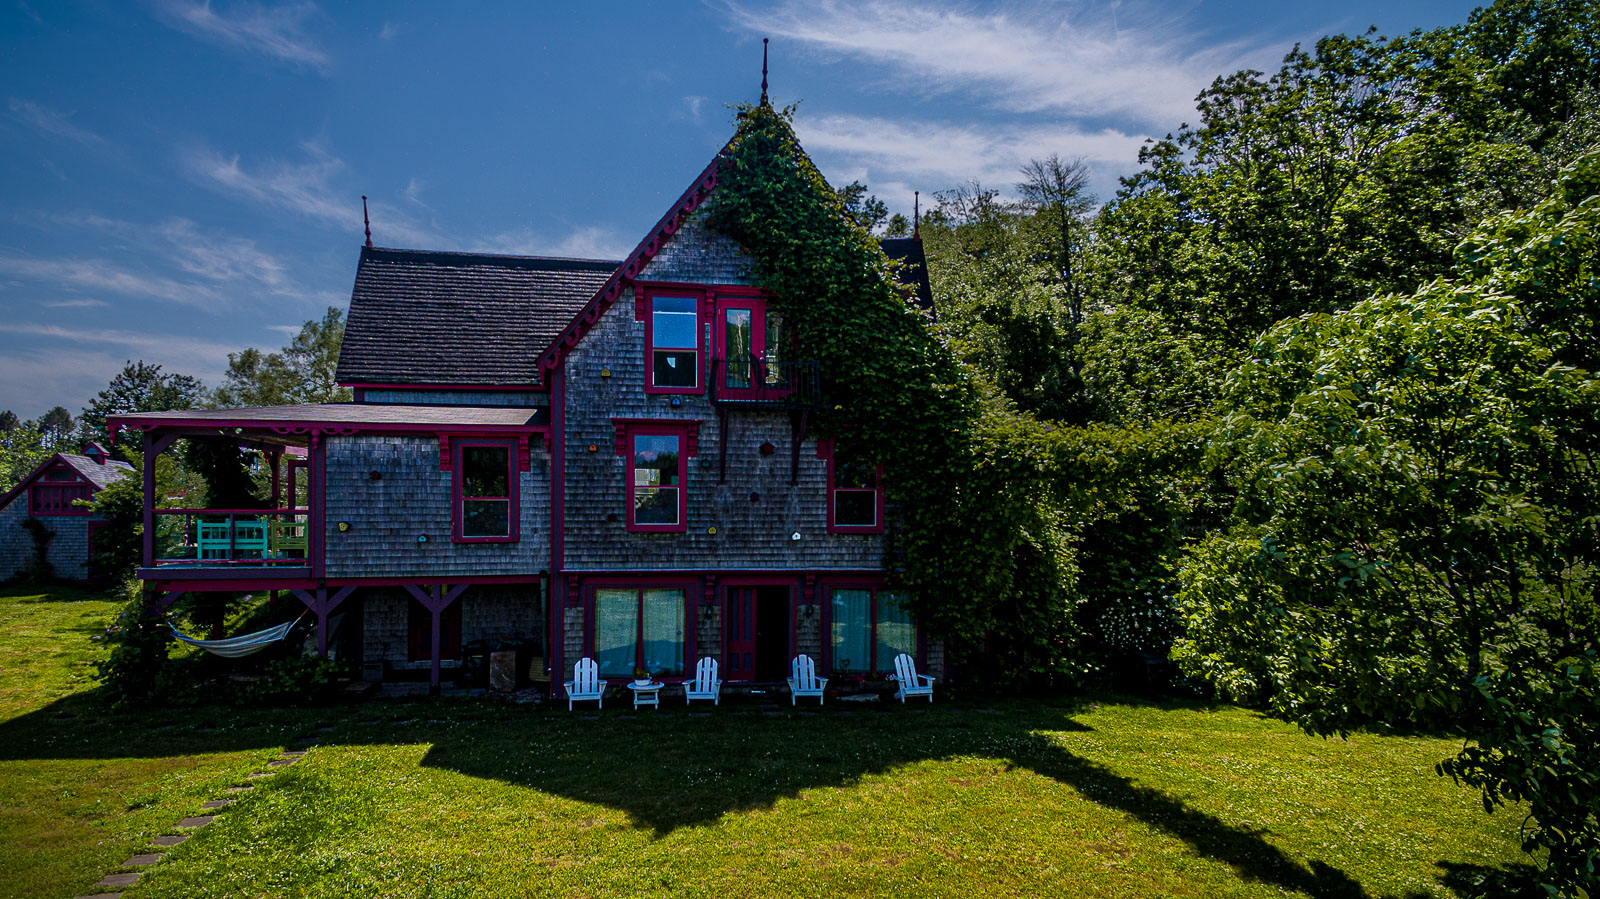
{"x": 412, "y": 498}
{"x": 750, "y": 534}
{"x": 698, "y": 255}
{"x": 68, "y": 551}
{"x": 487, "y": 613}
{"x": 456, "y": 397}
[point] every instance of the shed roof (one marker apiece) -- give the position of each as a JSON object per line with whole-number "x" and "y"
{"x": 350, "y": 414}
{"x": 469, "y": 319}
{"x": 96, "y": 474}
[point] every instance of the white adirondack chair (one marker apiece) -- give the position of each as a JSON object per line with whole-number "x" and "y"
{"x": 706, "y": 684}
{"x": 803, "y": 680}
{"x": 910, "y": 682}
{"x": 585, "y": 684}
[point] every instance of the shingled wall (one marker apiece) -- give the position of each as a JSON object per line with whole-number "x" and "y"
{"x": 412, "y": 498}
{"x": 68, "y": 552}
{"x": 487, "y": 613}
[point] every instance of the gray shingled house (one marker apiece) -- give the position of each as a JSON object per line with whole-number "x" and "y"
{"x": 45, "y": 503}
{"x": 602, "y": 459}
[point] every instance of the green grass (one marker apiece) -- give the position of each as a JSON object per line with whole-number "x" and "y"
{"x": 1108, "y": 797}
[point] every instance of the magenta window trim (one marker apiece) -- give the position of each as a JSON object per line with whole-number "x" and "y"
{"x": 638, "y": 584}
{"x": 458, "y": 448}
{"x": 825, "y": 452}
{"x": 644, "y": 310}
{"x": 627, "y": 432}
{"x": 824, "y": 601}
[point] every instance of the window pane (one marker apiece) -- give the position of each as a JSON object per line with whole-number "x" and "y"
{"x": 485, "y": 518}
{"x": 655, "y": 460}
{"x": 855, "y": 508}
{"x": 655, "y": 505}
{"x": 854, "y": 474}
{"x": 673, "y": 322}
{"x": 777, "y": 342}
{"x": 896, "y": 633}
{"x": 672, "y": 368}
{"x": 616, "y": 631}
{"x": 663, "y": 631}
{"x": 852, "y": 611}
{"x": 736, "y": 344}
{"x": 485, "y": 471}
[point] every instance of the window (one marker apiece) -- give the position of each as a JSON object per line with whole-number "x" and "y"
{"x": 751, "y": 343}
{"x": 57, "y": 500}
{"x": 868, "y": 627}
{"x": 855, "y": 494}
{"x": 485, "y": 492}
{"x": 657, "y": 472}
{"x": 672, "y": 335}
{"x": 639, "y": 628}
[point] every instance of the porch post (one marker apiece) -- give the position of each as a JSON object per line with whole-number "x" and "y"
{"x": 322, "y": 604}
{"x": 150, "y": 453}
{"x": 438, "y": 610}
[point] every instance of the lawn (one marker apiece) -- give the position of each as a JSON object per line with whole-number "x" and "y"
{"x": 1084, "y": 797}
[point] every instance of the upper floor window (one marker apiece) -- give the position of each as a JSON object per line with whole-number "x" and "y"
{"x": 485, "y": 492}
{"x": 673, "y": 344}
{"x": 657, "y": 455}
{"x": 855, "y": 494}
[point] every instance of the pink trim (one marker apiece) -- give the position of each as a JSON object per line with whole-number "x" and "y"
{"x": 638, "y": 583}
{"x": 628, "y": 272}
{"x": 877, "y": 585}
{"x": 795, "y": 602}
{"x": 555, "y": 596}
{"x": 642, "y": 312}
{"x": 486, "y": 388}
{"x": 309, "y": 428}
{"x": 64, "y": 494}
{"x": 458, "y": 514}
{"x": 825, "y": 452}
{"x": 688, "y": 433}
{"x": 25, "y": 483}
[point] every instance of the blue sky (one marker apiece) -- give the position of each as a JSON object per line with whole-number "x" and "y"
{"x": 183, "y": 179}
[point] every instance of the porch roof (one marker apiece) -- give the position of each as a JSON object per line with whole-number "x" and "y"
{"x": 340, "y": 418}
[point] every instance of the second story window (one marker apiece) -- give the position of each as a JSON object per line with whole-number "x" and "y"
{"x": 485, "y": 487}
{"x": 855, "y": 494}
{"x": 674, "y": 344}
{"x": 657, "y": 482}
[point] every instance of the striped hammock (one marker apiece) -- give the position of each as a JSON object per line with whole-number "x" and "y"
{"x": 240, "y": 646}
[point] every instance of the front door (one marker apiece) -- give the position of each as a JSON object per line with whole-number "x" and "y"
{"x": 758, "y": 634}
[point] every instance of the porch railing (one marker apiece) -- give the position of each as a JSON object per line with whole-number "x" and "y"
{"x": 229, "y": 537}
{"x": 751, "y": 381}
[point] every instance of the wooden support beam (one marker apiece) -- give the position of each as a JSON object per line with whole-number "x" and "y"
{"x": 323, "y": 605}
{"x": 436, "y": 601}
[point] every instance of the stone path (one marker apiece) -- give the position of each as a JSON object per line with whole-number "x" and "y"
{"x": 111, "y": 883}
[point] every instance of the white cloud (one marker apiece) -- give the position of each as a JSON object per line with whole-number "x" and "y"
{"x": 75, "y": 304}
{"x": 1132, "y": 62}
{"x": 588, "y": 242}
{"x": 34, "y": 378}
{"x": 308, "y": 188}
{"x": 388, "y": 32}
{"x": 890, "y": 155}
{"x": 103, "y": 275}
{"x": 155, "y": 347}
{"x": 222, "y": 259}
{"x": 694, "y": 103}
{"x": 54, "y": 122}
{"x": 273, "y": 31}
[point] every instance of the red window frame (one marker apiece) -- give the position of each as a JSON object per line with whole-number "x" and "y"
{"x": 687, "y": 432}
{"x": 825, "y": 452}
{"x": 877, "y": 588}
{"x": 56, "y": 499}
{"x": 691, "y": 613}
{"x": 644, "y": 311}
{"x": 458, "y": 449}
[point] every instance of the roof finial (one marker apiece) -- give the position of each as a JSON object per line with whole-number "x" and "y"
{"x": 916, "y": 215}
{"x": 366, "y": 222}
{"x": 764, "y": 71}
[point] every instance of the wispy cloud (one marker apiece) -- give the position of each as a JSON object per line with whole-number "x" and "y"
{"x": 104, "y": 275}
{"x": 935, "y": 156}
{"x": 589, "y": 242}
{"x": 159, "y": 346}
{"x": 54, "y": 122}
{"x": 272, "y": 31}
{"x": 1131, "y": 61}
{"x": 75, "y": 304}
{"x": 694, "y": 104}
{"x": 308, "y": 188}
{"x": 220, "y": 258}
{"x": 388, "y": 31}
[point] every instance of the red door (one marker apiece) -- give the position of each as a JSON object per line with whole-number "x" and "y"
{"x": 741, "y": 634}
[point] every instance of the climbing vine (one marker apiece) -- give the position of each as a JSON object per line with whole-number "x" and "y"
{"x": 971, "y": 538}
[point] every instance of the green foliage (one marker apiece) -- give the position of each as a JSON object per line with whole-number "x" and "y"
{"x": 119, "y": 545}
{"x": 1417, "y": 516}
{"x": 40, "y": 571}
{"x": 1136, "y": 368}
{"x": 136, "y": 672}
{"x": 22, "y": 449}
{"x": 971, "y": 516}
{"x": 295, "y": 680}
{"x": 139, "y": 387}
{"x": 302, "y": 372}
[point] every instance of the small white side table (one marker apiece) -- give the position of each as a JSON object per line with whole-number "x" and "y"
{"x": 646, "y": 694}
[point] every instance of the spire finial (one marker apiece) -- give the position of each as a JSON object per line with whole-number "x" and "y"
{"x": 916, "y": 215}
{"x": 764, "y": 71}
{"x": 365, "y": 221}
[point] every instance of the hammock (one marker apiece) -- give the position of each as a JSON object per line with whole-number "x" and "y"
{"x": 242, "y": 645}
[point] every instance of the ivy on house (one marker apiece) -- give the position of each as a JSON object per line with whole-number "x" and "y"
{"x": 974, "y": 540}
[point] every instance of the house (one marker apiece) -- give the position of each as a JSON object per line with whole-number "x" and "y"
{"x": 598, "y": 458}
{"x": 43, "y": 507}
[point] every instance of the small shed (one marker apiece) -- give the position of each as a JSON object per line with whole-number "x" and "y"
{"x": 42, "y": 507}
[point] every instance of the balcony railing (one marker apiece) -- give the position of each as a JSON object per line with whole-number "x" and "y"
{"x": 231, "y": 537}
{"x": 757, "y": 382}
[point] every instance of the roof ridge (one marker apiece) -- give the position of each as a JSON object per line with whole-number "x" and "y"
{"x": 488, "y": 258}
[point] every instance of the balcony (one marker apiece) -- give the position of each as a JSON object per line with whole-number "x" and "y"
{"x": 230, "y": 543}
{"x": 757, "y": 383}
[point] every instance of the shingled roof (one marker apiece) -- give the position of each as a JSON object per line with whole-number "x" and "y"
{"x": 469, "y": 319}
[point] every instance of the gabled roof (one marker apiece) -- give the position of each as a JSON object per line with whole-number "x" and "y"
{"x": 467, "y": 319}
{"x": 99, "y": 476}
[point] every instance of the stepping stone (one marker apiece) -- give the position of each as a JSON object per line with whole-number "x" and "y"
{"x": 139, "y": 861}
{"x": 171, "y": 839}
{"x": 204, "y": 730}
{"x": 239, "y": 788}
{"x": 196, "y": 821}
{"x": 118, "y": 881}
{"x": 294, "y": 753}
{"x": 280, "y": 763}
{"x": 325, "y": 729}
{"x": 216, "y": 803}
{"x": 369, "y": 722}
{"x": 260, "y": 774}
{"x": 103, "y": 896}
{"x": 626, "y": 717}
{"x": 771, "y": 714}
{"x": 307, "y": 741}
